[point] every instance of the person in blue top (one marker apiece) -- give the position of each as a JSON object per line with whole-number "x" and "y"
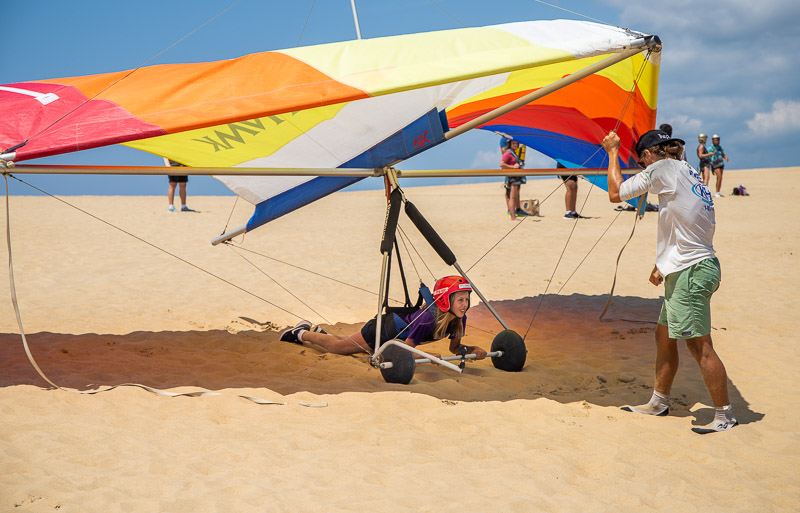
{"x": 447, "y": 319}
{"x": 718, "y": 160}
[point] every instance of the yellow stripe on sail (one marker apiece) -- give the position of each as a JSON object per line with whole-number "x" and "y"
{"x": 622, "y": 74}
{"x": 234, "y": 143}
{"x": 430, "y": 58}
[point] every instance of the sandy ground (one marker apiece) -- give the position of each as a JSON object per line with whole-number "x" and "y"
{"x": 101, "y": 308}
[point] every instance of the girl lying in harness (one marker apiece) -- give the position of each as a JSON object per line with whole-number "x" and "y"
{"x": 426, "y": 324}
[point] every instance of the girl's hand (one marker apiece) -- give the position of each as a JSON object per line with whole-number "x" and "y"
{"x": 480, "y": 354}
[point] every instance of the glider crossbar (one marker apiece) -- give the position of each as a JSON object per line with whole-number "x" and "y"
{"x": 468, "y": 173}
{"x": 218, "y": 171}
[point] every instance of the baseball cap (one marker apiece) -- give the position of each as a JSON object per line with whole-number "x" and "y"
{"x": 654, "y": 138}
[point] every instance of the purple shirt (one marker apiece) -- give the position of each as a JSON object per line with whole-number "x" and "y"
{"x": 422, "y": 324}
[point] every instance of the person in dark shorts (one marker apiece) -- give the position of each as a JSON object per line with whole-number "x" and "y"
{"x": 513, "y": 159}
{"x": 179, "y": 181}
{"x": 447, "y": 319}
{"x": 705, "y": 158}
{"x": 571, "y": 195}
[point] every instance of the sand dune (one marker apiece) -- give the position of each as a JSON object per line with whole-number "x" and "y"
{"x": 101, "y": 308}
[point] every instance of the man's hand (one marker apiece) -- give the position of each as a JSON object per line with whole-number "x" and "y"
{"x": 611, "y": 142}
{"x": 656, "y": 278}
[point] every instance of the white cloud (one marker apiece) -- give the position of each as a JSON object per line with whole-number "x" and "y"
{"x": 784, "y": 117}
{"x": 683, "y": 126}
{"x": 486, "y": 159}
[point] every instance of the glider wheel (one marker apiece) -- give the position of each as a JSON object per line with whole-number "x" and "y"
{"x": 514, "y": 351}
{"x": 403, "y": 365}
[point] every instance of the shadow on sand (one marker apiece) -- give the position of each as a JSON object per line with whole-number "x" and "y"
{"x": 572, "y": 357}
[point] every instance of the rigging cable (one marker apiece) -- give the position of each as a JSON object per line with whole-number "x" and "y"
{"x": 573, "y": 12}
{"x": 279, "y": 284}
{"x": 315, "y": 273}
{"x": 154, "y": 246}
{"x": 230, "y": 215}
{"x": 447, "y": 13}
{"x": 31, "y": 359}
{"x": 306, "y": 23}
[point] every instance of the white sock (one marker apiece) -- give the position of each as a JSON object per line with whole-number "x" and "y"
{"x": 724, "y": 414}
{"x": 300, "y": 335}
{"x": 658, "y": 405}
{"x": 723, "y": 421}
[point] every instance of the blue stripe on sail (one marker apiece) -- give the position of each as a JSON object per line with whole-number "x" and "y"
{"x": 571, "y": 152}
{"x": 420, "y": 135}
{"x": 297, "y": 197}
{"x": 557, "y": 146}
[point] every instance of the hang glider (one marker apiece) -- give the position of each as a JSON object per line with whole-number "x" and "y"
{"x": 356, "y": 105}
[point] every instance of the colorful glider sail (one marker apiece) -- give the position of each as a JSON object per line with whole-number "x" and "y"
{"x": 570, "y": 124}
{"x": 366, "y": 103}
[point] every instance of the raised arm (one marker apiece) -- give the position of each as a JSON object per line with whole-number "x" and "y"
{"x": 611, "y": 145}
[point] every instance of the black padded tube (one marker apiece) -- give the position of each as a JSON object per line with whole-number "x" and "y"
{"x": 430, "y": 234}
{"x": 390, "y": 223}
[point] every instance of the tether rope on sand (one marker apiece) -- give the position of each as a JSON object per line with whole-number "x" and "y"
{"x": 32, "y": 360}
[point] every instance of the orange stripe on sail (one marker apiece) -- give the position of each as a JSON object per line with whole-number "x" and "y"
{"x": 594, "y": 96}
{"x": 180, "y": 97}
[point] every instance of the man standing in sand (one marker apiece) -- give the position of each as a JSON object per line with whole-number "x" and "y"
{"x": 179, "y": 181}
{"x": 685, "y": 262}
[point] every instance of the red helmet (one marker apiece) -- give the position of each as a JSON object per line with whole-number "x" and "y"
{"x": 445, "y": 287}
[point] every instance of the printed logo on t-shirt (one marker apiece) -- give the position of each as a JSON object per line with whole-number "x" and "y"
{"x": 702, "y": 191}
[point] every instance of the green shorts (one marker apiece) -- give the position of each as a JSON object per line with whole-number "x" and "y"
{"x": 686, "y": 310}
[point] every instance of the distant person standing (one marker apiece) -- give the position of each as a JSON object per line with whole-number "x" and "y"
{"x": 571, "y": 195}
{"x": 179, "y": 181}
{"x": 705, "y": 158}
{"x": 513, "y": 158}
{"x": 686, "y": 264}
{"x": 718, "y": 160}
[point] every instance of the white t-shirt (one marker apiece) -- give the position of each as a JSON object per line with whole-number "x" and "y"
{"x": 685, "y": 213}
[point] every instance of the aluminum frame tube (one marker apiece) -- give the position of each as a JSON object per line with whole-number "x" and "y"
{"x": 395, "y": 342}
{"x": 218, "y": 171}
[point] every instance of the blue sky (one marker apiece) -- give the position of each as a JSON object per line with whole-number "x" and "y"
{"x": 727, "y": 67}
